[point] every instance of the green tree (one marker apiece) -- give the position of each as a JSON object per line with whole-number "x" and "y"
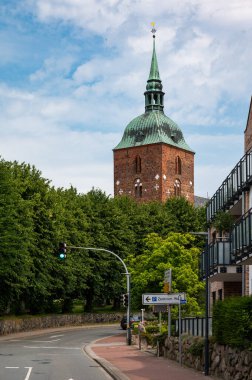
{"x": 178, "y": 252}
{"x": 15, "y": 229}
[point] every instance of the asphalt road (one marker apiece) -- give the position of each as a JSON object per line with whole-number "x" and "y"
{"x": 52, "y": 356}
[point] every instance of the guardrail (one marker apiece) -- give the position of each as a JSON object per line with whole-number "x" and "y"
{"x": 219, "y": 253}
{"x": 241, "y": 237}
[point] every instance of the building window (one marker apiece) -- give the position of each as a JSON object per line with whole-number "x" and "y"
{"x": 178, "y": 165}
{"x": 214, "y": 237}
{"x": 138, "y": 164}
{"x": 220, "y": 294}
{"x": 214, "y": 297}
{"x": 177, "y": 188}
{"x": 138, "y": 189}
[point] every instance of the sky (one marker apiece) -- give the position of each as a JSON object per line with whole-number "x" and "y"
{"x": 73, "y": 74}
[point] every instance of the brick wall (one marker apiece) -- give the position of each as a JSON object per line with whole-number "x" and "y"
{"x": 248, "y": 132}
{"x": 246, "y": 279}
{"x": 158, "y": 172}
{"x": 215, "y": 288}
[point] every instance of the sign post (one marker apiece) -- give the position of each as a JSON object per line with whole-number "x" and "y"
{"x": 180, "y": 343}
{"x": 167, "y": 289}
{"x": 167, "y": 281}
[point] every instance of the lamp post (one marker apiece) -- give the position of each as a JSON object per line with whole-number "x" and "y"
{"x": 128, "y": 283}
{"x": 142, "y": 310}
{"x": 206, "y": 259}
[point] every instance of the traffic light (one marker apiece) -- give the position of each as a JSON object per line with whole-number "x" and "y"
{"x": 126, "y": 300}
{"x": 122, "y": 299}
{"x": 62, "y": 251}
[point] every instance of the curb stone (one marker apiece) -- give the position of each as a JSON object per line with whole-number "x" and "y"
{"x": 114, "y": 372}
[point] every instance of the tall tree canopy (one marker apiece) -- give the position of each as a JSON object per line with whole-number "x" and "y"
{"x": 35, "y": 217}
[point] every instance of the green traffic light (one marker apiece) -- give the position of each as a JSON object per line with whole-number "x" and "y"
{"x": 62, "y": 251}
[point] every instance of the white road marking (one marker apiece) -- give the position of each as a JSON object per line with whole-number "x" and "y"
{"x": 56, "y": 347}
{"x": 28, "y": 373}
{"x": 56, "y": 336}
{"x": 46, "y": 341}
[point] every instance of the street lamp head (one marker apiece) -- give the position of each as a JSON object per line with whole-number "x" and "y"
{"x": 200, "y": 233}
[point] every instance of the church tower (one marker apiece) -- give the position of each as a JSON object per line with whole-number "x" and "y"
{"x": 153, "y": 162}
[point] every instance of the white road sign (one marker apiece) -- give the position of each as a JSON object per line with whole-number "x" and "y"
{"x": 163, "y": 299}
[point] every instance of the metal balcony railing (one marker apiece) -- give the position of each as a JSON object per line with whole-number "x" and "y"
{"x": 231, "y": 188}
{"x": 219, "y": 254}
{"x": 241, "y": 237}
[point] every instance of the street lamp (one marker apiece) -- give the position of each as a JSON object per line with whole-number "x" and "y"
{"x": 128, "y": 283}
{"x": 206, "y": 369}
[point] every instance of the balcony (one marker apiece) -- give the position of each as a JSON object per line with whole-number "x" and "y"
{"x": 221, "y": 262}
{"x": 241, "y": 238}
{"x": 232, "y": 187}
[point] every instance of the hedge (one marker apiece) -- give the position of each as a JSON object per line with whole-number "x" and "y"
{"x": 232, "y": 322}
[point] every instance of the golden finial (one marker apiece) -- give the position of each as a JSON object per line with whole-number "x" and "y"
{"x": 153, "y": 30}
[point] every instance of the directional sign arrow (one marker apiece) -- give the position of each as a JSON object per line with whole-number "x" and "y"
{"x": 148, "y": 299}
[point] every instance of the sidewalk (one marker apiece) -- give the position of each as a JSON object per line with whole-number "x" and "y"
{"x": 125, "y": 362}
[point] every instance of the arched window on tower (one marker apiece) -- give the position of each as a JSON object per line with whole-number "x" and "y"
{"x": 177, "y": 188}
{"x": 138, "y": 164}
{"x": 178, "y": 165}
{"x": 138, "y": 188}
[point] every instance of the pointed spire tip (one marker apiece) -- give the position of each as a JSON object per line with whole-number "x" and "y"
{"x": 153, "y": 30}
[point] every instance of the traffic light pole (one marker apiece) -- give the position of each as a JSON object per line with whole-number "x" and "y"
{"x": 128, "y": 283}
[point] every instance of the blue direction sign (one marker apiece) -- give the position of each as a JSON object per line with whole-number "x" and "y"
{"x": 182, "y": 302}
{"x": 163, "y": 299}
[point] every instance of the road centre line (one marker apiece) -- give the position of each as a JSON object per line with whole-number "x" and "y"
{"x": 55, "y": 347}
{"x": 11, "y": 367}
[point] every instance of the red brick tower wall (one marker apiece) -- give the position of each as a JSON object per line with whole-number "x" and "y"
{"x": 157, "y": 175}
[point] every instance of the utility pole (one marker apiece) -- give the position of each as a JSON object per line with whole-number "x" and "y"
{"x": 206, "y": 259}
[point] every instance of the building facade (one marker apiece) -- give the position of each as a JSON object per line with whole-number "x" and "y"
{"x": 227, "y": 261}
{"x": 153, "y": 162}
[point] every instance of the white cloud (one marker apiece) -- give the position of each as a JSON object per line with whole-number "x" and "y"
{"x": 80, "y": 103}
{"x": 215, "y": 157}
{"x": 94, "y": 15}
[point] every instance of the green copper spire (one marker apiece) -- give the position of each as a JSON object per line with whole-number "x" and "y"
{"x": 154, "y": 95}
{"x": 154, "y": 72}
{"x": 153, "y": 127}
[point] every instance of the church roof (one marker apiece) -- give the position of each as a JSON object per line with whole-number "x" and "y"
{"x": 153, "y": 126}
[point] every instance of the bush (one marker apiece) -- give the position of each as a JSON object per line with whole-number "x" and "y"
{"x": 197, "y": 347}
{"x": 152, "y": 328}
{"x": 232, "y": 322}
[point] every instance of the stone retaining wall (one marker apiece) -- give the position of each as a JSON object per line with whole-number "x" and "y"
{"x": 224, "y": 362}
{"x": 9, "y": 326}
